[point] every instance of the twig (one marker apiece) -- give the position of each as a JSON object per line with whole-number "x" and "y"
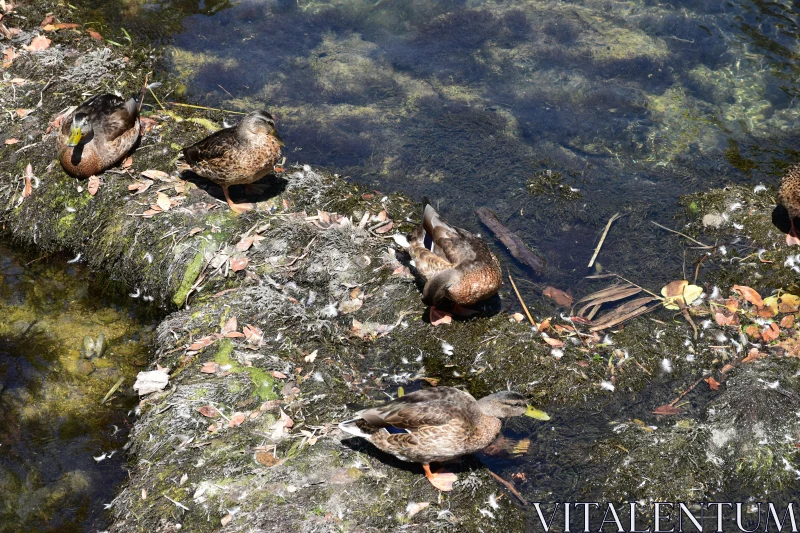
{"x": 643, "y": 368}
{"x": 510, "y": 487}
{"x": 157, "y": 100}
{"x": 179, "y": 504}
{"x": 603, "y": 238}
{"x": 207, "y": 108}
{"x": 521, "y": 301}
{"x": 684, "y": 393}
{"x": 681, "y": 234}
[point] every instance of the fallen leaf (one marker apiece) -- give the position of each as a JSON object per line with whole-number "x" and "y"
{"x": 49, "y": 19}
{"x": 208, "y": 411}
{"x": 230, "y": 325}
{"x": 252, "y": 334}
{"x": 237, "y": 419}
{"x": 667, "y": 409}
{"x": 11, "y": 141}
{"x": 560, "y": 297}
{"x": 225, "y": 520}
{"x": 22, "y": 113}
{"x": 93, "y": 185}
{"x": 750, "y": 295}
{"x": 287, "y": 421}
{"x": 771, "y": 332}
{"x": 61, "y": 26}
{"x": 788, "y": 303}
{"x": 156, "y": 175}
{"x": 787, "y": 321}
{"x": 752, "y": 331}
{"x": 28, "y": 178}
{"x": 713, "y": 384}
{"x": 310, "y": 358}
{"x": 266, "y": 458}
{"x": 519, "y": 317}
{"x": 162, "y": 201}
{"x": 753, "y": 355}
{"x": 278, "y": 374}
{"x": 209, "y": 367}
{"x": 244, "y": 243}
{"x": 415, "y": 507}
{"x": 127, "y": 162}
{"x": 732, "y": 304}
{"x": 8, "y": 57}
{"x": 201, "y": 343}
{"x": 680, "y": 292}
{"x": 727, "y": 368}
{"x": 239, "y": 263}
{"x": 386, "y": 227}
{"x": 140, "y": 186}
{"x": 555, "y": 343}
{"x": 545, "y": 324}
{"x": 39, "y": 43}
{"x": 94, "y": 34}
{"x": 725, "y": 320}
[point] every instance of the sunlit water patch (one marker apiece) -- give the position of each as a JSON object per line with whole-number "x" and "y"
{"x": 61, "y": 450}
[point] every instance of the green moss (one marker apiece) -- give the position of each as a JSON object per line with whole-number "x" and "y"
{"x": 264, "y": 382}
{"x": 189, "y": 277}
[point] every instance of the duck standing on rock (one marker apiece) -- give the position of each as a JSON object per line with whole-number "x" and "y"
{"x": 98, "y": 134}
{"x": 239, "y": 155}
{"x": 789, "y": 201}
{"x": 456, "y": 264}
{"x": 436, "y": 425}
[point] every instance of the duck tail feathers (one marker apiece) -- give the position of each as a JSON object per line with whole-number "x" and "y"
{"x": 352, "y": 427}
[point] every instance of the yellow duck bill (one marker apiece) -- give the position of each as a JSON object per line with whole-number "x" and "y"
{"x": 538, "y": 414}
{"x": 74, "y": 137}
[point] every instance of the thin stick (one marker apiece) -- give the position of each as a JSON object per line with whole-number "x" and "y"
{"x": 521, "y": 301}
{"x": 144, "y": 91}
{"x": 603, "y": 238}
{"x": 510, "y": 487}
{"x": 684, "y": 393}
{"x": 681, "y": 234}
{"x": 207, "y": 108}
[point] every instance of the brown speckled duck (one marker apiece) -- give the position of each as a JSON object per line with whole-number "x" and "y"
{"x": 456, "y": 265}
{"x": 436, "y": 425}
{"x": 789, "y": 199}
{"x": 239, "y": 155}
{"x": 97, "y": 135}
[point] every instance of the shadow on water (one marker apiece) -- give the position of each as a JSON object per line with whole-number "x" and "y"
{"x": 61, "y": 453}
{"x": 555, "y": 115}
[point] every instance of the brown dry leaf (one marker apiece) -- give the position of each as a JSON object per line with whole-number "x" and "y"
{"x": 93, "y": 185}
{"x": 11, "y": 141}
{"x": 752, "y": 331}
{"x": 127, "y": 162}
{"x": 40, "y": 42}
{"x": 667, "y": 409}
{"x": 771, "y": 332}
{"x": 28, "y": 181}
{"x": 732, "y": 304}
{"x": 210, "y": 367}
{"x": 237, "y": 419}
{"x": 252, "y": 334}
{"x": 287, "y": 421}
{"x": 153, "y": 174}
{"x": 278, "y": 374}
{"x": 225, "y": 520}
{"x": 787, "y": 321}
{"x": 765, "y": 312}
{"x": 49, "y": 19}
{"x": 443, "y": 319}
{"x": 519, "y": 317}
{"x": 674, "y": 288}
{"x": 230, "y": 325}
{"x": 61, "y": 26}
{"x": 713, "y": 384}
{"x": 202, "y": 343}
{"x": 386, "y": 227}
{"x": 556, "y": 343}
{"x": 140, "y": 186}
{"x": 162, "y": 201}
{"x": 727, "y": 368}
{"x": 750, "y": 295}
{"x": 208, "y": 411}
{"x": 239, "y": 263}
{"x": 22, "y": 113}
{"x": 150, "y": 213}
{"x": 267, "y": 459}
{"x": 624, "y": 312}
{"x": 235, "y": 335}
{"x": 725, "y": 320}
{"x": 94, "y": 34}
{"x": 244, "y": 243}
{"x": 560, "y": 297}
{"x": 753, "y": 355}
{"x": 8, "y": 57}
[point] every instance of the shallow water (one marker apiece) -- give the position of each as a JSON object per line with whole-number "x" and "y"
{"x": 54, "y": 428}
{"x": 556, "y": 115}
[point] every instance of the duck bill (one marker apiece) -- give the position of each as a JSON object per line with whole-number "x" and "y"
{"x": 75, "y": 137}
{"x": 537, "y": 414}
{"x": 277, "y": 138}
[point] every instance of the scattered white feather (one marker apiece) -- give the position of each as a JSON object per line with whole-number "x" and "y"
{"x": 486, "y": 512}
{"x": 690, "y": 357}
{"x": 447, "y": 348}
{"x": 493, "y": 501}
{"x": 607, "y": 340}
{"x": 77, "y": 258}
{"x": 149, "y": 258}
{"x": 607, "y": 385}
{"x": 738, "y": 226}
{"x": 557, "y": 353}
{"x": 715, "y": 294}
{"x": 722, "y": 250}
{"x": 720, "y": 337}
{"x": 401, "y": 240}
{"x": 759, "y": 188}
{"x": 329, "y": 310}
{"x": 318, "y": 377}
{"x": 71, "y": 209}
{"x": 735, "y": 206}
{"x": 705, "y": 324}
{"x": 666, "y": 365}
{"x": 136, "y": 294}
{"x": 306, "y": 168}
{"x": 100, "y": 458}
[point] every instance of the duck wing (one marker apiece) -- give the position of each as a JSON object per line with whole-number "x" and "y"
{"x": 109, "y": 115}
{"x": 215, "y": 146}
{"x": 446, "y": 241}
{"x": 426, "y": 408}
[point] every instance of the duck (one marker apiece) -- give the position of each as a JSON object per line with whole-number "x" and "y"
{"x": 436, "y": 425}
{"x": 457, "y": 265}
{"x": 98, "y": 135}
{"x": 789, "y": 205}
{"x": 239, "y": 155}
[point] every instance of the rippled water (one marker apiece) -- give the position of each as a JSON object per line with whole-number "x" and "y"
{"x": 55, "y": 469}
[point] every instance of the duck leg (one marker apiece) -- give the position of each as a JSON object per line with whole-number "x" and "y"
{"x": 441, "y": 479}
{"x": 791, "y": 237}
{"x": 239, "y": 208}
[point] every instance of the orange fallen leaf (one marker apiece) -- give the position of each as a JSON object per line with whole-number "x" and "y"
{"x": 667, "y": 409}
{"x": 252, "y": 334}
{"x": 237, "y": 419}
{"x": 49, "y": 19}
{"x": 230, "y": 325}
{"x": 560, "y": 297}
{"x": 208, "y": 411}
{"x": 750, "y": 295}
{"x": 28, "y": 185}
{"x": 266, "y": 458}
{"x": 39, "y": 43}
{"x": 238, "y": 263}
{"x": 713, "y": 384}
{"x": 234, "y": 335}
{"x": 127, "y": 162}
{"x": 556, "y": 343}
{"x": 725, "y": 320}
{"x": 209, "y": 367}
{"x": 8, "y": 57}
{"x": 386, "y": 227}
{"x": 22, "y": 113}
{"x": 752, "y": 331}
{"x": 11, "y": 141}
{"x": 787, "y": 321}
{"x": 278, "y": 375}
{"x": 93, "y": 185}
{"x": 771, "y": 332}
{"x": 753, "y": 355}
{"x": 94, "y": 34}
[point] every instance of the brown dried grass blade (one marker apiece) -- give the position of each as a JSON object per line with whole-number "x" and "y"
{"x": 609, "y": 294}
{"x": 624, "y": 312}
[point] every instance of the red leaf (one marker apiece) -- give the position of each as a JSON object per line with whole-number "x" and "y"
{"x": 770, "y": 333}
{"x": 667, "y": 410}
{"x": 94, "y": 35}
{"x": 713, "y": 384}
